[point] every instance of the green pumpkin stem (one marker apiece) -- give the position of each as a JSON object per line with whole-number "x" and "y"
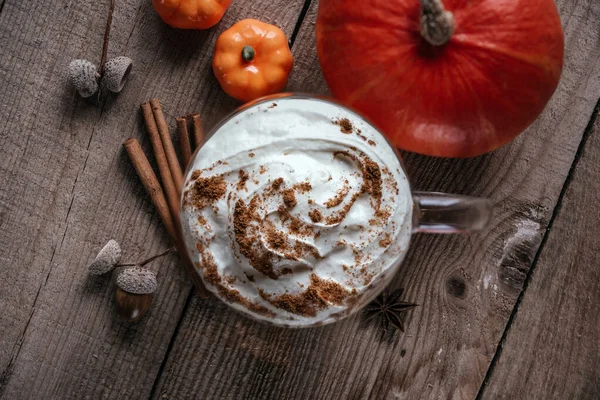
{"x": 248, "y": 53}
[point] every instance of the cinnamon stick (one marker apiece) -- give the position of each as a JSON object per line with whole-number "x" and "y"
{"x": 161, "y": 159}
{"x": 198, "y": 130}
{"x": 150, "y": 182}
{"x": 167, "y": 143}
{"x": 184, "y": 140}
{"x": 152, "y": 186}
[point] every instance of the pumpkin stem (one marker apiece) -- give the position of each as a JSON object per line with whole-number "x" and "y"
{"x": 437, "y": 24}
{"x": 248, "y": 53}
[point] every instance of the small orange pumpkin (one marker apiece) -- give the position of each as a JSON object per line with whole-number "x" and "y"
{"x": 191, "y": 14}
{"x": 252, "y": 59}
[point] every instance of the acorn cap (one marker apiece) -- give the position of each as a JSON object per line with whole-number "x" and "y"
{"x": 83, "y": 76}
{"x": 137, "y": 280}
{"x": 116, "y": 72}
{"x": 106, "y": 259}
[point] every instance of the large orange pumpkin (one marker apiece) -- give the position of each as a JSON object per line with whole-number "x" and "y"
{"x": 456, "y": 79}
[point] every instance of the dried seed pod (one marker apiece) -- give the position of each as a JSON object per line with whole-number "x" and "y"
{"x": 116, "y": 72}
{"x": 83, "y": 75}
{"x": 133, "y": 296}
{"x": 107, "y": 258}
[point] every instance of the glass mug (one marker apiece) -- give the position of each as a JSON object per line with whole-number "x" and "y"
{"x": 431, "y": 212}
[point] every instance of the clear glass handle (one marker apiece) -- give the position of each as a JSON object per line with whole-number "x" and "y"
{"x": 447, "y": 213}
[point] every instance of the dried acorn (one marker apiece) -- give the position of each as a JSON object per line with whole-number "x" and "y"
{"x": 133, "y": 296}
{"x": 107, "y": 258}
{"x": 83, "y": 75}
{"x": 113, "y": 74}
{"x": 116, "y": 72}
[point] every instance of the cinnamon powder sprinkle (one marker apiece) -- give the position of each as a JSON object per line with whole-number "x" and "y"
{"x": 346, "y": 126}
{"x": 315, "y": 216}
{"x": 372, "y": 180}
{"x": 357, "y": 256}
{"x": 277, "y": 183}
{"x": 383, "y": 214}
{"x": 249, "y": 230}
{"x": 363, "y": 137}
{"x": 367, "y": 276}
{"x": 302, "y": 187}
{"x": 339, "y": 216}
{"x": 289, "y": 198}
{"x": 206, "y": 191}
{"x": 339, "y": 196}
{"x": 284, "y": 214}
{"x": 275, "y": 238}
{"x": 318, "y": 296}
{"x": 211, "y": 275}
{"x": 217, "y": 164}
{"x": 234, "y": 296}
{"x": 278, "y": 241}
{"x": 386, "y": 241}
{"x": 247, "y": 237}
{"x": 372, "y": 184}
{"x": 195, "y": 175}
{"x": 296, "y": 226}
{"x": 251, "y": 155}
{"x": 243, "y": 179}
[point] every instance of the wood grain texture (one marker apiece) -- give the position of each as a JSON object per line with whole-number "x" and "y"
{"x": 552, "y": 350}
{"x": 67, "y": 187}
{"x": 466, "y": 285}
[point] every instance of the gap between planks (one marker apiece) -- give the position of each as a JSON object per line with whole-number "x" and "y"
{"x": 188, "y": 301}
{"x": 301, "y": 18}
{"x": 586, "y": 134}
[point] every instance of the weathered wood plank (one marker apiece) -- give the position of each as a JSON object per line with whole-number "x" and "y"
{"x": 467, "y": 286}
{"x": 42, "y": 153}
{"x": 552, "y": 348}
{"x": 67, "y": 188}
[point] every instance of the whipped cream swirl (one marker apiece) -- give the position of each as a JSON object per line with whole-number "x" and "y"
{"x": 296, "y": 212}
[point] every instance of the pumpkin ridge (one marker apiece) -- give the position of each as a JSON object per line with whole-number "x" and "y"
{"x": 539, "y": 61}
{"x": 407, "y": 24}
{"x": 357, "y": 94}
{"x": 457, "y": 74}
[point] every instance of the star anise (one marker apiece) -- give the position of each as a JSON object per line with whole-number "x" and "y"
{"x": 390, "y": 308}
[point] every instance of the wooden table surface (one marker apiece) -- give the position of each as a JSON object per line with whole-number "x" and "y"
{"x": 511, "y": 313}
